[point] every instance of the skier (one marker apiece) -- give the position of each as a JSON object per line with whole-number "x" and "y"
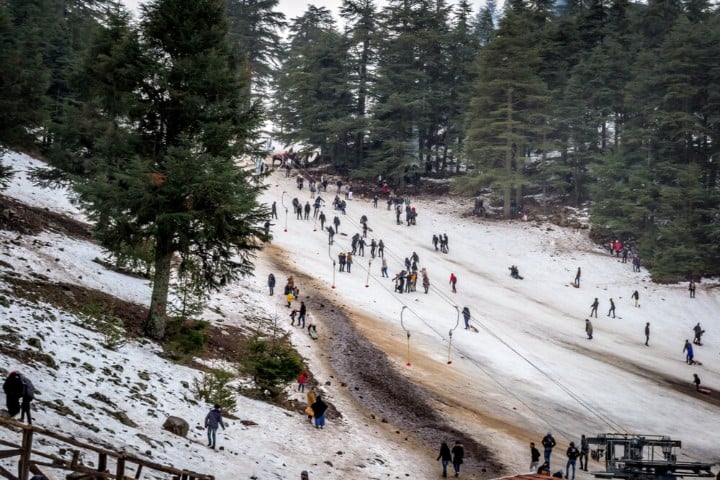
{"x": 453, "y": 282}
{"x": 458, "y": 454}
{"x": 577, "y": 278}
{"x": 594, "y": 307}
{"x": 588, "y": 329}
{"x": 689, "y": 355}
{"x": 647, "y": 334}
{"x": 691, "y": 288}
{"x": 212, "y": 421}
{"x": 466, "y": 316}
{"x": 696, "y": 381}
{"x": 612, "y": 308}
{"x": 636, "y": 296}
{"x": 572, "y": 454}
{"x": 697, "y": 329}
{"x": 445, "y": 457}
{"x": 548, "y": 442}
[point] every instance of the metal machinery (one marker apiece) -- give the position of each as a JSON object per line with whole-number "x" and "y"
{"x": 643, "y": 457}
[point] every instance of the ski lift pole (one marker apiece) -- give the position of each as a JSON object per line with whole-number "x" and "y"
{"x": 457, "y": 322}
{"x": 367, "y": 280}
{"x": 282, "y": 200}
{"x": 402, "y": 324}
{"x": 333, "y": 267}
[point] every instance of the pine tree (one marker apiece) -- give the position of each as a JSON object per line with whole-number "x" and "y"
{"x": 507, "y": 117}
{"x": 314, "y": 102}
{"x": 165, "y": 178}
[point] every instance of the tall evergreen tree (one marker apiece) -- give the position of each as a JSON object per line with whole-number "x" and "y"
{"x": 507, "y": 117}
{"x": 255, "y": 27}
{"x": 361, "y": 23}
{"x": 313, "y": 100}
{"x": 165, "y": 177}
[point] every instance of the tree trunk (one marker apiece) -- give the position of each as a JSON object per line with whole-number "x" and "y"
{"x": 157, "y": 316}
{"x": 507, "y": 187}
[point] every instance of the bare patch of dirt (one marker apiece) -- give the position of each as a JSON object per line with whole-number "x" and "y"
{"x": 377, "y": 384}
{"x": 25, "y": 219}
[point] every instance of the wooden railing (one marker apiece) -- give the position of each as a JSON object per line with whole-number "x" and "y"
{"x": 37, "y": 462}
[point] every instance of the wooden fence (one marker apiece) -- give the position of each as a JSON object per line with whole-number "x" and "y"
{"x": 32, "y": 460}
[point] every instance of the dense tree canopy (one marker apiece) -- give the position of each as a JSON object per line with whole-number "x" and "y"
{"x": 613, "y": 105}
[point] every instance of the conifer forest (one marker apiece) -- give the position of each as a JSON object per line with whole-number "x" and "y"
{"x": 609, "y": 105}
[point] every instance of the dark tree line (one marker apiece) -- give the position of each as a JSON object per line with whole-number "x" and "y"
{"x": 610, "y": 104}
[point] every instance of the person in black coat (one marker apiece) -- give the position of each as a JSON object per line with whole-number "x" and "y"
{"x": 458, "y": 452}
{"x": 548, "y": 442}
{"x": 445, "y": 457}
{"x": 13, "y": 388}
{"x": 319, "y": 408}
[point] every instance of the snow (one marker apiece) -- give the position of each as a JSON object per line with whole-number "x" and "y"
{"x": 530, "y": 368}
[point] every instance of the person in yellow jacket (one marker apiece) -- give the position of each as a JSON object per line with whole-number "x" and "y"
{"x": 311, "y": 397}
{"x": 290, "y": 298}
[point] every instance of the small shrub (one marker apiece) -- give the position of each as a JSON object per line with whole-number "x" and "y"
{"x": 214, "y": 388}
{"x": 186, "y": 338}
{"x": 271, "y": 363}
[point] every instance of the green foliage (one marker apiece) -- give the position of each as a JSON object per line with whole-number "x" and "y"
{"x": 186, "y": 338}
{"x": 271, "y": 363}
{"x": 214, "y": 388}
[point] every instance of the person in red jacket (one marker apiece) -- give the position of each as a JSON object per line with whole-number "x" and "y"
{"x": 453, "y": 282}
{"x": 302, "y": 380}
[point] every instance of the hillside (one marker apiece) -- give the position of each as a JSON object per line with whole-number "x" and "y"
{"x": 529, "y": 369}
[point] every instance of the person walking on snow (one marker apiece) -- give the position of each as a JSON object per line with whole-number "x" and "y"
{"x": 383, "y": 268}
{"x": 636, "y": 296}
{"x": 458, "y": 452}
{"x": 647, "y": 334}
{"x": 534, "y": 458}
{"x": 612, "y": 308}
{"x": 301, "y": 317}
{"x": 453, "y": 282}
{"x": 572, "y": 454}
{"x": 548, "y": 442}
{"x": 698, "y": 331}
{"x": 584, "y": 451}
{"x": 691, "y": 288}
{"x": 577, "y": 278}
{"x": 311, "y": 396}
{"x": 466, "y": 316}
{"x": 319, "y": 408}
{"x": 302, "y": 380}
{"x": 588, "y": 329}
{"x": 271, "y": 283}
{"x": 445, "y": 457}
{"x": 273, "y": 210}
{"x": 212, "y": 421}
{"x": 593, "y": 307}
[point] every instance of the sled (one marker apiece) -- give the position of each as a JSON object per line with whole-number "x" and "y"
{"x": 704, "y": 390}
{"x": 474, "y": 329}
{"x": 314, "y": 335}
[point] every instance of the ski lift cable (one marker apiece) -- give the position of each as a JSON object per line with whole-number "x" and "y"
{"x": 592, "y": 410}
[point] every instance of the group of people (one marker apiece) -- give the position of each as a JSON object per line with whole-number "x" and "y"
{"x": 573, "y": 453}
{"x": 455, "y": 456}
{"x": 440, "y": 242}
